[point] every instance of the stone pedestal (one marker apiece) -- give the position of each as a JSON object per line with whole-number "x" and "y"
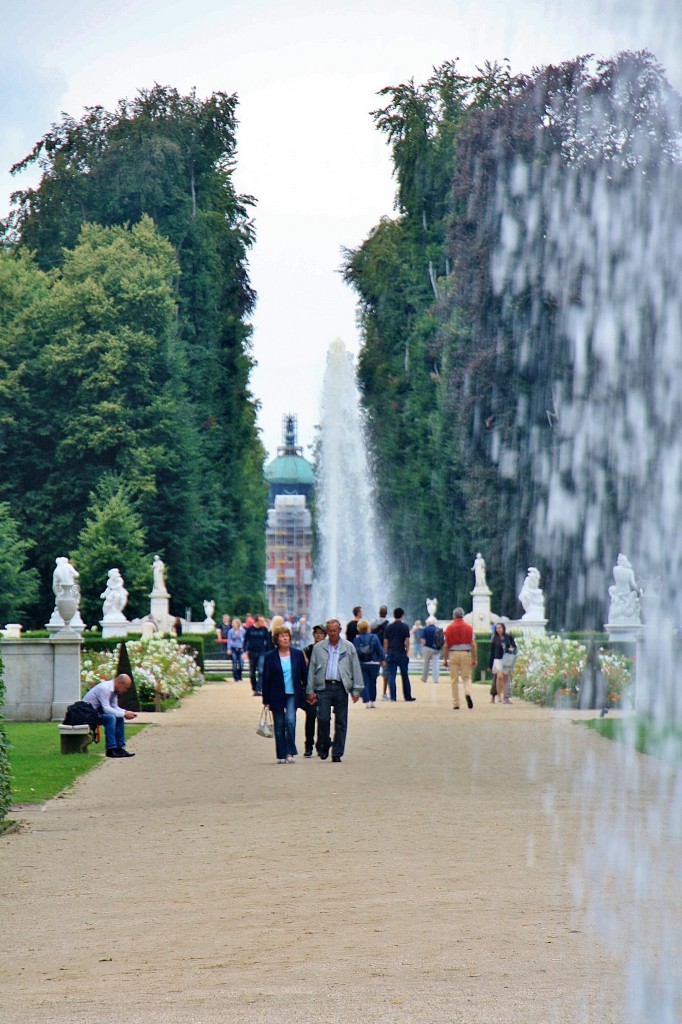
{"x": 624, "y": 632}
{"x": 481, "y": 617}
{"x": 532, "y": 625}
{"x": 160, "y": 609}
{"x": 114, "y": 625}
{"x": 67, "y": 676}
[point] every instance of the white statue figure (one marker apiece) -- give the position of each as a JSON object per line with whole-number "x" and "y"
{"x": 531, "y": 596}
{"x": 209, "y": 609}
{"x": 478, "y": 569}
{"x": 624, "y": 594}
{"x": 431, "y": 606}
{"x": 159, "y": 570}
{"x": 64, "y": 575}
{"x": 115, "y": 596}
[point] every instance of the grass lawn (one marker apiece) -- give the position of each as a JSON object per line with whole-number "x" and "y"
{"x": 646, "y": 736}
{"x": 39, "y": 769}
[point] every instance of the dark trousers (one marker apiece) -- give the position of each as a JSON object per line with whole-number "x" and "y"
{"x": 369, "y": 678}
{"x": 333, "y": 696}
{"x": 237, "y": 658}
{"x": 393, "y": 663}
{"x": 256, "y": 670}
{"x": 310, "y": 711}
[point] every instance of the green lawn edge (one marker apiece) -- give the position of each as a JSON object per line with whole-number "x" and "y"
{"x": 39, "y": 771}
{"x": 644, "y": 735}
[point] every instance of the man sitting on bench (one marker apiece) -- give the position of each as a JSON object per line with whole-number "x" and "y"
{"x": 104, "y": 699}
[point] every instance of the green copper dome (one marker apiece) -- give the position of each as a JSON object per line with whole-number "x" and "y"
{"x": 289, "y": 470}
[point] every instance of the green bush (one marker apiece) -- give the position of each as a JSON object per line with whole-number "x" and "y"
{"x": 483, "y": 655}
{"x": 5, "y": 789}
{"x": 197, "y": 641}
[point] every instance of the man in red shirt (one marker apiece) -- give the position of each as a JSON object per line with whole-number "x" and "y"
{"x": 459, "y": 653}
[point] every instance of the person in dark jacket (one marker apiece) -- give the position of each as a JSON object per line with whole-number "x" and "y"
{"x": 256, "y": 644}
{"x": 501, "y": 643}
{"x": 285, "y": 675}
{"x": 371, "y": 657}
{"x": 319, "y": 633}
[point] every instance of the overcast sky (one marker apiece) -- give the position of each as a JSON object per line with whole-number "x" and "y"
{"x": 308, "y": 151}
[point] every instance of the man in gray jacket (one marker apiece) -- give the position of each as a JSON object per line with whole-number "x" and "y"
{"x": 334, "y": 673}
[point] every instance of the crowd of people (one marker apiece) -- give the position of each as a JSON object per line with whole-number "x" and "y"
{"x": 322, "y": 672}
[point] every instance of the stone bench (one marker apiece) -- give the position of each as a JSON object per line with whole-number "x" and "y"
{"x": 75, "y": 739}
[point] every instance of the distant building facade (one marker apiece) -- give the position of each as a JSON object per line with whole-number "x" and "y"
{"x": 288, "y": 535}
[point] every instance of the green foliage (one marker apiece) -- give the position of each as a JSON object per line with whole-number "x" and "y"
{"x": 112, "y": 536}
{"x": 18, "y": 585}
{"x": 39, "y": 770}
{"x": 137, "y": 338}
{"x": 5, "y": 770}
{"x": 159, "y": 666}
{"x": 644, "y": 735}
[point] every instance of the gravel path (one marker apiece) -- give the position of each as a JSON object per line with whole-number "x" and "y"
{"x": 430, "y": 877}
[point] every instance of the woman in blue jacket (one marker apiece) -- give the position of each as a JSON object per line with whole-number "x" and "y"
{"x": 371, "y": 656}
{"x": 285, "y": 675}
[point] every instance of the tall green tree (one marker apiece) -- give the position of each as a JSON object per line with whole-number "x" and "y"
{"x": 113, "y": 537}
{"x": 18, "y": 582}
{"x": 171, "y": 157}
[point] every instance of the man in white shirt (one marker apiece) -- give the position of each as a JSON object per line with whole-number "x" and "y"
{"x": 104, "y": 699}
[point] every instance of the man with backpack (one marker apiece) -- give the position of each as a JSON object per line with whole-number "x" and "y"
{"x": 432, "y": 642}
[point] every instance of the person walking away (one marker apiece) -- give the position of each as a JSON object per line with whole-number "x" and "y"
{"x": 397, "y": 646}
{"x": 333, "y": 676}
{"x": 235, "y": 640}
{"x": 378, "y": 627}
{"x": 319, "y": 633}
{"x": 431, "y": 650}
{"x": 371, "y": 657}
{"x": 285, "y": 675}
{"x": 103, "y": 697}
{"x": 502, "y": 644}
{"x": 352, "y": 626}
{"x": 459, "y": 653}
{"x": 256, "y": 644}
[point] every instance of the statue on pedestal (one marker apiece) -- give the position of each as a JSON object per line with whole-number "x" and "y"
{"x": 209, "y": 609}
{"x": 66, "y": 591}
{"x": 531, "y": 596}
{"x": 478, "y": 569}
{"x": 115, "y": 596}
{"x": 432, "y": 606}
{"x": 159, "y": 571}
{"x": 625, "y": 595}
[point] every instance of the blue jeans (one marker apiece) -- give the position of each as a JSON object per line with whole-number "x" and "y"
{"x": 285, "y": 729}
{"x": 237, "y": 659}
{"x": 114, "y": 730}
{"x": 256, "y": 670}
{"x": 395, "y": 662}
{"x": 369, "y": 678}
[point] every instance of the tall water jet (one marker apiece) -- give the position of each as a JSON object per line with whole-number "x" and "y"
{"x": 351, "y": 565}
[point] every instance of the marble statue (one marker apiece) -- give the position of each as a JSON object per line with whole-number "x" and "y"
{"x": 64, "y": 575}
{"x": 478, "y": 569}
{"x": 432, "y": 606}
{"x": 115, "y": 595}
{"x": 159, "y": 570}
{"x": 625, "y": 594}
{"x": 531, "y": 596}
{"x": 209, "y": 609}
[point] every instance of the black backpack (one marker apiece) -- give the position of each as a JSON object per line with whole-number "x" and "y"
{"x": 438, "y": 639}
{"x": 365, "y": 652}
{"x": 81, "y": 713}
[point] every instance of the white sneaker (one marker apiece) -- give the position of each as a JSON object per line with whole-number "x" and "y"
{"x": 281, "y": 760}
{"x": 290, "y": 759}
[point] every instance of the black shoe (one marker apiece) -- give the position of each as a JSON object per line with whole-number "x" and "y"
{"x": 410, "y": 698}
{"x": 309, "y": 753}
{"x": 122, "y": 752}
{"x": 114, "y": 752}
{"x": 323, "y": 757}
{"x": 336, "y": 759}
{"x": 470, "y": 703}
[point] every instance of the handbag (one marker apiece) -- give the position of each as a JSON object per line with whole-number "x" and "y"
{"x": 265, "y": 726}
{"x": 508, "y": 661}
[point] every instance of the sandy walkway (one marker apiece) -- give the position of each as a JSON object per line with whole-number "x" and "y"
{"x": 428, "y": 878}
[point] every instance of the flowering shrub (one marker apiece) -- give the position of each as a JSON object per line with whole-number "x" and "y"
{"x": 163, "y": 663}
{"x": 617, "y": 671}
{"x": 546, "y": 666}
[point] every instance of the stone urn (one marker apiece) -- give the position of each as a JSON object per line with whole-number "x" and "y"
{"x": 67, "y": 602}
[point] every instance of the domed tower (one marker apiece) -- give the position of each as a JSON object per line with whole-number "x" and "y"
{"x": 288, "y": 535}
